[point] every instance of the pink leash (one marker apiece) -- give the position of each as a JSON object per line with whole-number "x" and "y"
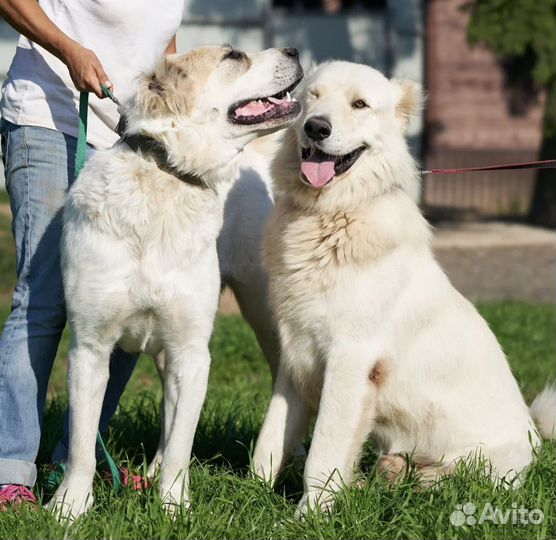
{"x": 544, "y": 164}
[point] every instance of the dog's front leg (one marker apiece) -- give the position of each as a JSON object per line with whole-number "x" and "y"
{"x": 154, "y": 465}
{"x": 88, "y": 372}
{"x": 345, "y": 418}
{"x": 283, "y": 428}
{"x": 186, "y": 377}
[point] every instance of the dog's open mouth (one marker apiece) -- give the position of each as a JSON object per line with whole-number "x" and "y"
{"x": 318, "y": 168}
{"x": 258, "y": 110}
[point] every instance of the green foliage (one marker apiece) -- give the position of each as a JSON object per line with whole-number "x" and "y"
{"x": 523, "y": 29}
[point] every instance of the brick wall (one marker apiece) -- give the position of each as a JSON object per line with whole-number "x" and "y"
{"x": 473, "y": 118}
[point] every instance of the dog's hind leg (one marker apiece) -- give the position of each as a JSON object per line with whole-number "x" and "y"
{"x": 395, "y": 468}
{"x": 88, "y": 373}
{"x": 247, "y": 209}
{"x": 252, "y": 296}
{"x": 160, "y": 363}
{"x": 284, "y": 426}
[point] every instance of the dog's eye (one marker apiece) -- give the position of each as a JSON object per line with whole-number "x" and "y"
{"x": 234, "y": 55}
{"x": 313, "y": 93}
{"x": 359, "y": 104}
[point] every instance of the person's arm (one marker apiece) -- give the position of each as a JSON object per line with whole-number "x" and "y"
{"x": 171, "y": 48}
{"x": 28, "y": 18}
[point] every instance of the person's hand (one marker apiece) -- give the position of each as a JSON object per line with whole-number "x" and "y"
{"x": 85, "y": 69}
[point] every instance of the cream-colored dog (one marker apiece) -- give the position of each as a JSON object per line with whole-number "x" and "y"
{"x": 374, "y": 337}
{"x": 139, "y": 255}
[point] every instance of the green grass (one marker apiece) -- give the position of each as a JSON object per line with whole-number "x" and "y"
{"x": 227, "y": 504}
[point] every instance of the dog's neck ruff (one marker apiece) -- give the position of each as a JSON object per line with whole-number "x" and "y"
{"x": 150, "y": 148}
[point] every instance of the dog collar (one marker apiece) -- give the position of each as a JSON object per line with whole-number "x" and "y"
{"x": 148, "y": 147}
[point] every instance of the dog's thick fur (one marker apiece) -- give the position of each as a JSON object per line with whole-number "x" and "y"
{"x": 139, "y": 253}
{"x": 374, "y": 337}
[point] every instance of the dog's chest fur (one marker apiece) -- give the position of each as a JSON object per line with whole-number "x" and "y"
{"x": 307, "y": 255}
{"x": 157, "y": 231}
{"x": 152, "y": 213}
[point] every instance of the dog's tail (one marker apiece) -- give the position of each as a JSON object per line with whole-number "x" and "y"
{"x": 543, "y": 411}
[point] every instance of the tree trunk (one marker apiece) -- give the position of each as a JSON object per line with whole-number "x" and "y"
{"x": 543, "y": 207}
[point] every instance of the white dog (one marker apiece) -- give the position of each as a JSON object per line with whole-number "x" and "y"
{"x": 374, "y": 337}
{"x": 139, "y": 252}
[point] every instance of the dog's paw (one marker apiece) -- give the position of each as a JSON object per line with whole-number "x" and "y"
{"x": 258, "y": 472}
{"x": 173, "y": 509}
{"x": 175, "y": 500}
{"x": 314, "y": 501}
{"x": 302, "y": 508}
{"x": 393, "y": 467}
{"x": 67, "y": 505}
{"x": 154, "y": 466}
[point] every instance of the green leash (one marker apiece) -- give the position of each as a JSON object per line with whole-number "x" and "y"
{"x": 114, "y": 471}
{"x": 81, "y": 151}
{"x": 80, "y": 158}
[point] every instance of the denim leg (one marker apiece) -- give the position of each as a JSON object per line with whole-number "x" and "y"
{"x": 37, "y": 167}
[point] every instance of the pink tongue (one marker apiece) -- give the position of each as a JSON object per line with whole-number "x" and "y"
{"x": 253, "y": 108}
{"x": 319, "y": 173}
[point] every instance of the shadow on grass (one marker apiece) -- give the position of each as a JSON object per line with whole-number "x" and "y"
{"x": 224, "y": 439}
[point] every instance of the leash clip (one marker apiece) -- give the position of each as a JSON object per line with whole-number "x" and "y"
{"x": 109, "y": 94}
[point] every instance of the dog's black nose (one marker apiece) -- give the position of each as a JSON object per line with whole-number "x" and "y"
{"x": 292, "y": 52}
{"x": 318, "y": 128}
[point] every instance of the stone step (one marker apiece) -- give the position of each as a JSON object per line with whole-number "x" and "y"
{"x": 498, "y": 261}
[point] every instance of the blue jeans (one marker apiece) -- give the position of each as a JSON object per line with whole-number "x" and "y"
{"x": 39, "y": 168}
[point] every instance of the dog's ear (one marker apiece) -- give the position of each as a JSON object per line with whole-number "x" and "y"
{"x": 152, "y": 91}
{"x": 165, "y": 91}
{"x": 410, "y": 102}
{"x": 156, "y": 86}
